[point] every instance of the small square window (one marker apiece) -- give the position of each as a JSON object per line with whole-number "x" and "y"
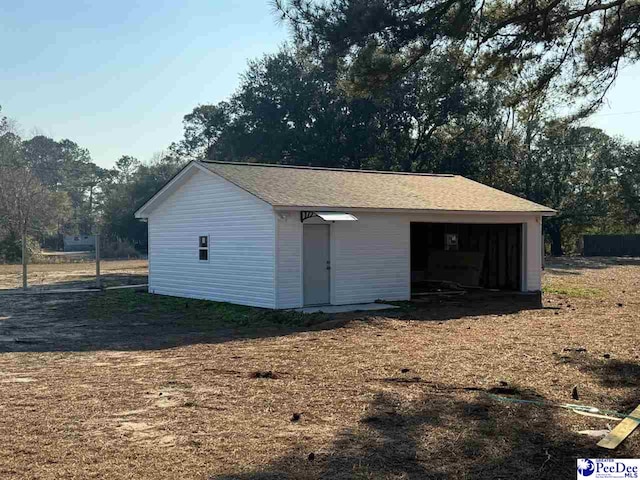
{"x": 203, "y": 248}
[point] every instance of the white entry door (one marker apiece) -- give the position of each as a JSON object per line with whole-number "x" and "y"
{"x": 316, "y": 264}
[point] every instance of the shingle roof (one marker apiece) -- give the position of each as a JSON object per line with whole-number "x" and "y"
{"x": 285, "y": 186}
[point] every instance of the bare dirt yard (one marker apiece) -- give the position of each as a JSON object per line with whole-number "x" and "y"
{"x": 123, "y": 384}
{"x": 74, "y": 275}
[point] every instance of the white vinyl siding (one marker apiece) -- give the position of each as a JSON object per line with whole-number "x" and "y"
{"x": 289, "y": 254}
{"x": 370, "y": 258}
{"x": 241, "y": 230}
{"x": 532, "y": 231}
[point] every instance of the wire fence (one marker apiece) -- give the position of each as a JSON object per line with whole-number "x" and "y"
{"x": 72, "y": 270}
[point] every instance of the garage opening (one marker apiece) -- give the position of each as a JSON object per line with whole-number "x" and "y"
{"x": 465, "y": 255}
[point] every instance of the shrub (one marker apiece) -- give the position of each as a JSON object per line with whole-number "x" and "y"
{"x": 117, "y": 249}
{"x": 11, "y": 248}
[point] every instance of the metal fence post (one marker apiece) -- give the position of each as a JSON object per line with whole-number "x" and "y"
{"x": 98, "y": 279}
{"x": 24, "y": 261}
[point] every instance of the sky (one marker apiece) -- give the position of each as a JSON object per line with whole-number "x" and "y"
{"x": 620, "y": 114}
{"x": 117, "y": 77}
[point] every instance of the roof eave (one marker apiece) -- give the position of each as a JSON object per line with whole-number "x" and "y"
{"x": 544, "y": 213}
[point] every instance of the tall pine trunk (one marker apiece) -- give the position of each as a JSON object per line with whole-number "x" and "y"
{"x": 556, "y": 241}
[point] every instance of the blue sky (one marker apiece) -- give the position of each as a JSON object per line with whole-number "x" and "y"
{"x": 621, "y": 113}
{"x": 117, "y": 77}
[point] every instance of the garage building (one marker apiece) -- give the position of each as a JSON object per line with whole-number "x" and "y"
{"x": 286, "y": 237}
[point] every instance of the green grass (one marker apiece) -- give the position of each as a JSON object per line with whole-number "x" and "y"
{"x": 573, "y": 291}
{"x": 191, "y": 313}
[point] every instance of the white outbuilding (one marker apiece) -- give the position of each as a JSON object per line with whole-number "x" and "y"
{"x": 286, "y": 237}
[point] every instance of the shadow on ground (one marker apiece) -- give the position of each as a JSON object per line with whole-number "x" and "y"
{"x": 573, "y": 265}
{"x": 611, "y": 373}
{"x": 472, "y": 303}
{"x": 440, "y": 437}
{"x": 448, "y": 433}
{"x": 136, "y": 320}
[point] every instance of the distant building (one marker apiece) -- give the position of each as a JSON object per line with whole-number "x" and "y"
{"x": 79, "y": 243}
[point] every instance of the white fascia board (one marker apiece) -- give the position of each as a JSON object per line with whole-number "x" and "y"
{"x": 171, "y": 185}
{"x": 544, "y": 213}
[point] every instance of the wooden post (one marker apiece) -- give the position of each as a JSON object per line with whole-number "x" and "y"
{"x": 98, "y": 279}
{"x": 24, "y": 261}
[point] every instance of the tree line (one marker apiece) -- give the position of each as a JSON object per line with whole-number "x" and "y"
{"x": 52, "y": 188}
{"x": 289, "y": 110}
{"x": 492, "y": 90}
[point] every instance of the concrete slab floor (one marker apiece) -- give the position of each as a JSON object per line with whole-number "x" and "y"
{"x": 359, "y": 307}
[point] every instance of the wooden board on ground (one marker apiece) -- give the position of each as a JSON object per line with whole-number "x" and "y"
{"x": 621, "y": 431}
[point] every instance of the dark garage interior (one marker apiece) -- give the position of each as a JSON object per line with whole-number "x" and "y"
{"x": 466, "y": 255}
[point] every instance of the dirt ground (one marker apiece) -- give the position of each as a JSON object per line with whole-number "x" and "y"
{"x": 128, "y": 385}
{"x": 74, "y": 275}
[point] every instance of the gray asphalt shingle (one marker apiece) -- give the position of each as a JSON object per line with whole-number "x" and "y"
{"x": 284, "y": 186}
